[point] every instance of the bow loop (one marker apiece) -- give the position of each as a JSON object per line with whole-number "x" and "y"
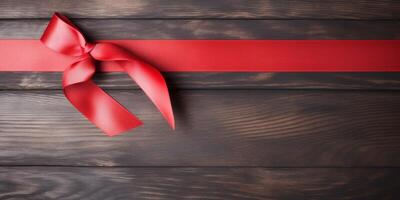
{"x": 100, "y": 108}
{"x": 64, "y": 37}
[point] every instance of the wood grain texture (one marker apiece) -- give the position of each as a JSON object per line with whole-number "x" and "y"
{"x": 329, "y": 136}
{"x": 212, "y": 29}
{"x": 197, "y": 183}
{"x": 188, "y": 80}
{"x": 255, "y": 9}
{"x": 214, "y": 128}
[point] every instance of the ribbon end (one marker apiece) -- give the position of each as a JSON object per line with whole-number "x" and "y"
{"x": 122, "y": 131}
{"x": 172, "y": 125}
{"x": 169, "y": 116}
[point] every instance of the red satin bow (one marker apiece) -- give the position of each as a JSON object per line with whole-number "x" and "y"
{"x": 100, "y": 108}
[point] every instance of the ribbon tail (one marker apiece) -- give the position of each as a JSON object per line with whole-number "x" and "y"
{"x": 154, "y": 86}
{"x": 146, "y": 76}
{"x": 95, "y": 104}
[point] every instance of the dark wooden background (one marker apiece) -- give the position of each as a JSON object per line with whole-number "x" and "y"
{"x": 239, "y": 135}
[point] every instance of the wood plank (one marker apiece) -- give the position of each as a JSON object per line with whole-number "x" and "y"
{"x": 212, "y": 29}
{"x": 197, "y": 183}
{"x": 256, "y": 9}
{"x": 273, "y": 128}
{"x": 207, "y": 80}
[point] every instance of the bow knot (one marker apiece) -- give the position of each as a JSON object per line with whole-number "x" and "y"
{"x": 62, "y": 36}
{"x": 88, "y": 48}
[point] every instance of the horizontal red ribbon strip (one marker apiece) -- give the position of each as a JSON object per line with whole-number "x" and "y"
{"x": 223, "y": 55}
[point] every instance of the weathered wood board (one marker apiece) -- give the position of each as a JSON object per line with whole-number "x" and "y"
{"x": 197, "y": 183}
{"x": 274, "y": 128}
{"x": 239, "y": 135}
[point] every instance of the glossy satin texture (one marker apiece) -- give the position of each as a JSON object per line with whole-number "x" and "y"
{"x": 222, "y": 55}
{"x": 96, "y": 105}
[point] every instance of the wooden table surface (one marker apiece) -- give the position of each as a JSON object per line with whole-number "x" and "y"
{"x": 238, "y": 136}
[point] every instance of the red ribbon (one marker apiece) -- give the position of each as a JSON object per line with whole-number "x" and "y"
{"x": 96, "y": 105}
{"x": 70, "y": 46}
{"x": 222, "y": 55}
